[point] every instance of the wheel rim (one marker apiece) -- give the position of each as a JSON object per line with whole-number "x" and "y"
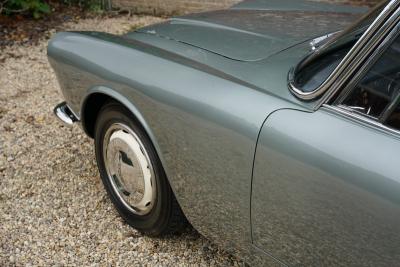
{"x": 129, "y": 169}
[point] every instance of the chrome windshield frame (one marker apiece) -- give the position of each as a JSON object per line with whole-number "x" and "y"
{"x": 374, "y": 34}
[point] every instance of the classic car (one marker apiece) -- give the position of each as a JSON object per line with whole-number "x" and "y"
{"x": 273, "y": 127}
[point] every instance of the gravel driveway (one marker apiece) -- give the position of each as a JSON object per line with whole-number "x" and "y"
{"x": 53, "y": 208}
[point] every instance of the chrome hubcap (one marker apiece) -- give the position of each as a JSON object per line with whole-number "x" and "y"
{"x": 129, "y": 169}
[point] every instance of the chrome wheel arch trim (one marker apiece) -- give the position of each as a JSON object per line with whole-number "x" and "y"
{"x": 375, "y": 33}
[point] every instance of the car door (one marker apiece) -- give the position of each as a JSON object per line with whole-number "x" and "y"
{"x": 326, "y": 184}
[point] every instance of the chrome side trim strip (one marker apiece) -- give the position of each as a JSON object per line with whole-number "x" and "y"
{"x": 63, "y": 112}
{"x": 371, "y": 37}
{"x": 361, "y": 118}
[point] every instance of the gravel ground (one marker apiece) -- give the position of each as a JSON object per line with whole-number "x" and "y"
{"x": 53, "y": 208}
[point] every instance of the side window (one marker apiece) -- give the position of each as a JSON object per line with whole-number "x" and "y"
{"x": 377, "y": 94}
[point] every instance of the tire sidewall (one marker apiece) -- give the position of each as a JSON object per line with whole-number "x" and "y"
{"x": 156, "y": 220}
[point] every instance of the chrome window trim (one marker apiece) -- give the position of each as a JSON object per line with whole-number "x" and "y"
{"x": 354, "y": 114}
{"x": 369, "y": 57}
{"x": 360, "y": 118}
{"x": 357, "y": 54}
{"x": 375, "y": 55}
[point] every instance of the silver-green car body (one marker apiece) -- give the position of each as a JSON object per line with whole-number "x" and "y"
{"x": 277, "y": 179}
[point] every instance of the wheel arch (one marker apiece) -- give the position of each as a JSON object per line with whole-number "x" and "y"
{"x": 97, "y": 97}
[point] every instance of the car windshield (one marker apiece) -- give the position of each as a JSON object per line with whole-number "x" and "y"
{"x": 329, "y": 52}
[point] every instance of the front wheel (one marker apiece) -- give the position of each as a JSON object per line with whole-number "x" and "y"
{"x": 133, "y": 175}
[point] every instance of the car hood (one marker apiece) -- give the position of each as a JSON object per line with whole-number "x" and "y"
{"x": 255, "y": 30}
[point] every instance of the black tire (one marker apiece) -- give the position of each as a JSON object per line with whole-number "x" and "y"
{"x": 165, "y": 216}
